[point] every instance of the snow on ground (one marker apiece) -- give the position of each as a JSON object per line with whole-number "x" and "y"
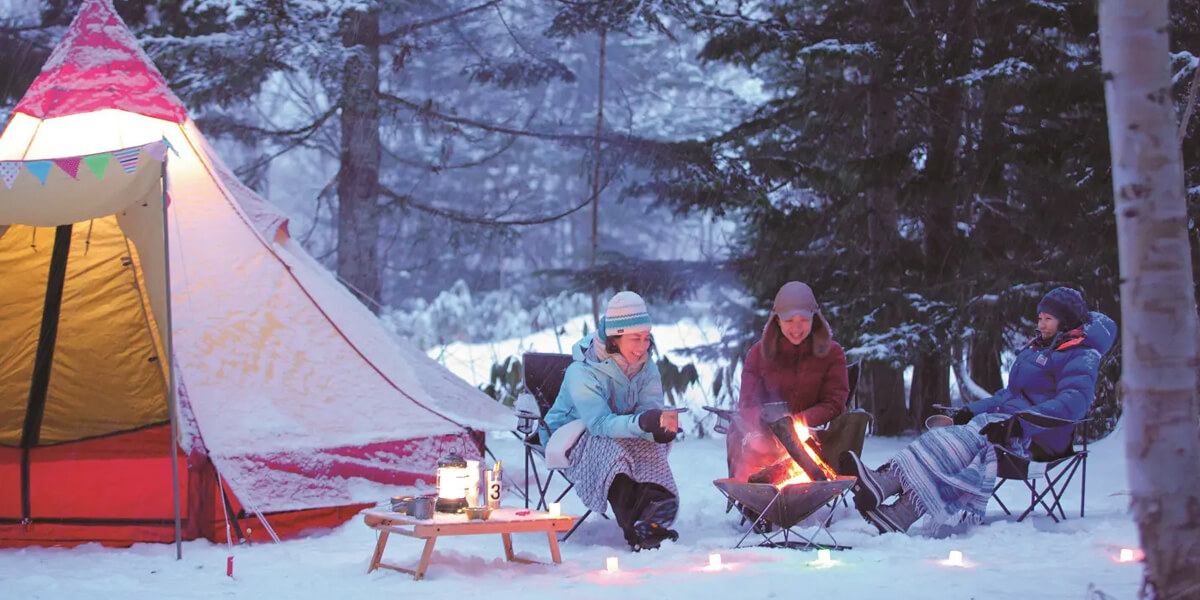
{"x": 1033, "y": 559}
{"x": 1036, "y": 558}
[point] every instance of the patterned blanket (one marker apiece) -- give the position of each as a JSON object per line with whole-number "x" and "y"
{"x": 950, "y": 471}
{"x": 595, "y": 461}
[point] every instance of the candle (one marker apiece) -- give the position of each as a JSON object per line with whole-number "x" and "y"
{"x": 823, "y": 556}
{"x": 714, "y": 561}
{"x": 610, "y": 564}
{"x": 955, "y": 559}
{"x": 555, "y": 509}
{"x": 1126, "y": 555}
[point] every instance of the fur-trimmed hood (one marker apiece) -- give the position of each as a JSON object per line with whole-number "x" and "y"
{"x": 818, "y": 341}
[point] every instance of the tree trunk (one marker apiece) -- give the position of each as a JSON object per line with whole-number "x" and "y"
{"x": 1157, "y": 295}
{"x": 984, "y": 360}
{"x": 882, "y": 391}
{"x": 358, "y": 180}
{"x": 930, "y": 385}
{"x": 596, "y": 173}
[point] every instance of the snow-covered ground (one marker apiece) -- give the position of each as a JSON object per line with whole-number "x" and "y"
{"x": 1033, "y": 559}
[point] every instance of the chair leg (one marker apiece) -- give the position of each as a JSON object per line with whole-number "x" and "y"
{"x": 1083, "y": 484}
{"x": 997, "y": 497}
{"x": 576, "y": 525}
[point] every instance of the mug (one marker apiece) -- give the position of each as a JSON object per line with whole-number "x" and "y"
{"x": 421, "y": 507}
{"x": 401, "y": 504}
{"x": 935, "y": 421}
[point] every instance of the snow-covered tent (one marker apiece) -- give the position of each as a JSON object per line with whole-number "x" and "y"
{"x": 291, "y": 400}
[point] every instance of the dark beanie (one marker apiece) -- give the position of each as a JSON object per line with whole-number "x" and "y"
{"x": 1066, "y": 305}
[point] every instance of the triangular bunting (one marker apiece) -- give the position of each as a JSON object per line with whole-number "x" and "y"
{"x": 39, "y": 168}
{"x": 8, "y": 172}
{"x": 98, "y": 163}
{"x": 156, "y": 150}
{"x": 128, "y": 159}
{"x": 69, "y": 165}
{"x": 173, "y": 150}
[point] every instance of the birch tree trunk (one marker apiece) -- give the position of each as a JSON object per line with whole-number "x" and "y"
{"x": 1157, "y": 295}
{"x": 358, "y": 179}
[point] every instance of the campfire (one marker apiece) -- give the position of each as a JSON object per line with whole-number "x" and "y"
{"x": 801, "y": 464}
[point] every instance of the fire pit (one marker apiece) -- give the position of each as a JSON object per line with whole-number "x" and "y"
{"x": 788, "y": 491}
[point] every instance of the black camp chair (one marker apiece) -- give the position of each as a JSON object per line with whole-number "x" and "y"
{"x": 543, "y": 376}
{"x": 1056, "y": 467}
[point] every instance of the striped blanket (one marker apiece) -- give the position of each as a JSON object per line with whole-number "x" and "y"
{"x": 950, "y": 471}
{"x": 596, "y": 461}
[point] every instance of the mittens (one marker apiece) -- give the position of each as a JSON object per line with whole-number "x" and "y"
{"x": 1000, "y": 432}
{"x": 963, "y": 416}
{"x": 650, "y": 421}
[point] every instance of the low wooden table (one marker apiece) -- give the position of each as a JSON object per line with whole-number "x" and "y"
{"x": 504, "y": 521}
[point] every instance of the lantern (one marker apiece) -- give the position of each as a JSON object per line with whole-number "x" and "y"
{"x": 452, "y": 482}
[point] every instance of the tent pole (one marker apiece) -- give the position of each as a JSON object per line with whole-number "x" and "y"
{"x": 172, "y": 398}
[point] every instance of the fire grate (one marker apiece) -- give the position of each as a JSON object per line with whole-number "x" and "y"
{"x": 786, "y": 507}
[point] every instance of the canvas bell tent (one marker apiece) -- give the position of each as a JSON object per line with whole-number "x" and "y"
{"x": 133, "y": 258}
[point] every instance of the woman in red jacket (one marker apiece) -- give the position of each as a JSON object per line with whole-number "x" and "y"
{"x": 796, "y": 363}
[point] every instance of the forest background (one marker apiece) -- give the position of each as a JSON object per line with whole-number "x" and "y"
{"x": 474, "y": 170}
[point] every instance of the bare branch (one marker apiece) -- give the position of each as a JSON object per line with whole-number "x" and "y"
{"x": 411, "y": 27}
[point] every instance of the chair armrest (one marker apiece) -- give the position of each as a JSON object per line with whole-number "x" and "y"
{"x": 1046, "y": 421}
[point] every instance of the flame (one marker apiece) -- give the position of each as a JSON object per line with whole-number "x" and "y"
{"x": 795, "y": 473}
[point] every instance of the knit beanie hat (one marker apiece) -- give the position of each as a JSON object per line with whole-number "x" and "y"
{"x": 1066, "y": 305}
{"x": 626, "y": 313}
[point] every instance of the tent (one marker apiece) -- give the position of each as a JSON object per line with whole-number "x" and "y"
{"x": 146, "y": 287}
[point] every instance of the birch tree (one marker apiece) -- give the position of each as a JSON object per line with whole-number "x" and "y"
{"x": 1157, "y": 295}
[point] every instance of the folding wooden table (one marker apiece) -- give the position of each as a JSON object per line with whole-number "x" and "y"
{"x": 504, "y": 521}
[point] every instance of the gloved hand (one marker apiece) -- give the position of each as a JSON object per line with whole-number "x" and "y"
{"x": 963, "y": 416}
{"x": 650, "y": 421}
{"x": 1000, "y": 432}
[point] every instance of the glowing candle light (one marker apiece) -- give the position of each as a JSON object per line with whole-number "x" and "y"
{"x": 610, "y": 564}
{"x": 714, "y": 561}
{"x": 823, "y": 556}
{"x": 555, "y": 509}
{"x": 1126, "y": 555}
{"x": 955, "y": 559}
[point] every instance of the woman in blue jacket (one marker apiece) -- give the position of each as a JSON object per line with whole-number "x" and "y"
{"x": 948, "y": 473}
{"x": 610, "y": 414}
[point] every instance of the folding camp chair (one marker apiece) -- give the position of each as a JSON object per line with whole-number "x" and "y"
{"x": 543, "y": 376}
{"x": 1056, "y": 466}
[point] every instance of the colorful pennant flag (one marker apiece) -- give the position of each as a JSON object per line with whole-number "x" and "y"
{"x": 98, "y": 164}
{"x": 8, "y": 172}
{"x": 69, "y": 165}
{"x": 39, "y": 168}
{"x": 157, "y": 150}
{"x": 128, "y": 159}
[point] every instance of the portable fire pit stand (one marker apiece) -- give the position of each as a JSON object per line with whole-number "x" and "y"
{"x": 786, "y": 507}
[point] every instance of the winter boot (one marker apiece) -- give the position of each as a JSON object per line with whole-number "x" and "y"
{"x": 871, "y": 488}
{"x": 654, "y": 525}
{"x": 895, "y": 517}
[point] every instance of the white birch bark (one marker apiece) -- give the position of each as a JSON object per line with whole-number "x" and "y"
{"x": 1157, "y": 295}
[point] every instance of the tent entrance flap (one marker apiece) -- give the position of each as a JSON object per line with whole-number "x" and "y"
{"x": 44, "y": 357}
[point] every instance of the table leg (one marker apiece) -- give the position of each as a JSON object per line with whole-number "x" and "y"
{"x": 508, "y": 548}
{"x": 554, "y": 554}
{"x": 379, "y": 545}
{"x": 424, "y": 564}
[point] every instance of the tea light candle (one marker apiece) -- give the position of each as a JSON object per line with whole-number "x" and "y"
{"x": 955, "y": 559}
{"x": 823, "y": 556}
{"x": 610, "y": 564}
{"x": 714, "y": 561}
{"x": 555, "y": 509}
{"x": 1126, "y": 555}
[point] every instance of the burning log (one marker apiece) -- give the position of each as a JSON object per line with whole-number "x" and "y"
{"x": 776, "y": 473}
{"x": 785, "y": 430}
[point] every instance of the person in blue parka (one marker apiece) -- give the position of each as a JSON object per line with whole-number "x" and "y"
{"x": 610, "y": 420}
{"x": 948, "y": 473}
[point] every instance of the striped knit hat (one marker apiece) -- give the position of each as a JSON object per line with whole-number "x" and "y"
{"x": 626, "y": 313}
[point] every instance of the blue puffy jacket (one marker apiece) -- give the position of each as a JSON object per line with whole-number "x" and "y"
{"x": 1057, "y": 380}
{"x": 599, "y": 393}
